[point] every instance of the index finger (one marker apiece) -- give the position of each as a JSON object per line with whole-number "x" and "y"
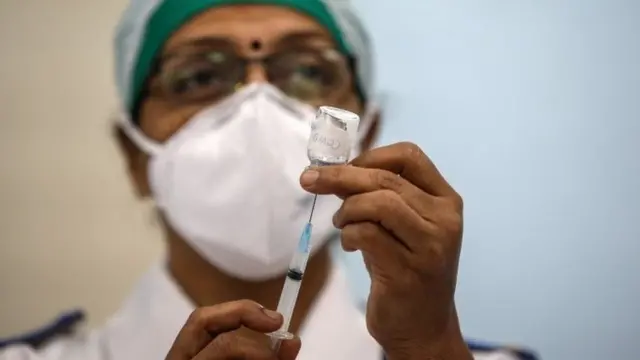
{"x": 206, "y": 323}
{"x": 410, "y": 162}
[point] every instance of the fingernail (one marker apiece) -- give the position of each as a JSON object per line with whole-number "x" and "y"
{"x": 309, "y": 178}
{"x": 272, "y": 314}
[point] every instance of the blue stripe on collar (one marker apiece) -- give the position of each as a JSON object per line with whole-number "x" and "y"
{"x": 65, "y": 324}
{"x": 482, "y": 346}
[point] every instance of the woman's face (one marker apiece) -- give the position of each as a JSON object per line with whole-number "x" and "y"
{"x": 210, "y": 57}
{"x": 225, "y": 47}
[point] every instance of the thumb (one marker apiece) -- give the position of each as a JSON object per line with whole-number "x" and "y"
{"x": 289, "y": 349}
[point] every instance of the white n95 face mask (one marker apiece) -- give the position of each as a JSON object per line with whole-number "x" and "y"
{"x": 228, "y": 182}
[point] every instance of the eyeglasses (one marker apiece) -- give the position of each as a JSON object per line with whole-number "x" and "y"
{"x": 315, "y": 76}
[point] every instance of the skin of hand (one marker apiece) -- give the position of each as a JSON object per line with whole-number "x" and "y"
{"x": 211, "y": 333}
{"x": 407, "y": 221}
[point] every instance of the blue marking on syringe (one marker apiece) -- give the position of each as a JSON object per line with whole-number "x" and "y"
{"x": 304, "y": 246}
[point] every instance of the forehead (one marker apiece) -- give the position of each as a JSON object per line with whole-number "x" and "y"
{"x": 243, "y": 24}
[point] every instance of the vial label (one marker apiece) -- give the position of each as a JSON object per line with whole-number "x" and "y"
{"x": 329, "y": 142}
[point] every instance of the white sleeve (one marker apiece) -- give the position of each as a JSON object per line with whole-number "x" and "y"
{"x": 19, "y": 352}
{"x": 78, "y": 347}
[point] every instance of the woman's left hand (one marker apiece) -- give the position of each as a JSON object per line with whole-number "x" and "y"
{"x": 407, "y": 221}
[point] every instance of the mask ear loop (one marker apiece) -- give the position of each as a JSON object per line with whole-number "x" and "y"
{"x": 149, "y": 147}
{"x": 134, "y": 134}
{"x": 366, "y": 122}
{"x": 372, "y": 108}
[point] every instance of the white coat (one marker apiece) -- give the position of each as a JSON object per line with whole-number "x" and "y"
{"x": 147, "y": 323}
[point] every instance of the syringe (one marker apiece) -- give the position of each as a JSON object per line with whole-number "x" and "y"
{"x": 333, "y": 134}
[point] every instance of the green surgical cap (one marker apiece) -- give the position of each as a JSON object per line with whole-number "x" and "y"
{"x": 147, "y": 24}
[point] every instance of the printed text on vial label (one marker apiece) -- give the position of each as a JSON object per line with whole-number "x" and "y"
{"x": 331, "y": 142}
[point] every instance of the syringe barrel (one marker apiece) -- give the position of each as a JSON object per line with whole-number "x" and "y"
{"x": 333, "y": 135}
{"x": 287, "y": 302}
{"x": 292, "y": 284}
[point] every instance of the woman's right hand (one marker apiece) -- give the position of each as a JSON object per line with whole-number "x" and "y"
{"x": 211, "y": 333}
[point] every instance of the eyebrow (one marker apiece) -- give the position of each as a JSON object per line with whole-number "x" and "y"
{"x": 300, "y": 36}
{"x": 294, "y": 38}
{"x": 195, "y": 44}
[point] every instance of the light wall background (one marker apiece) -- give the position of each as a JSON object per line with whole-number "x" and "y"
{"x": 71, "y": 232}
{"x": 531, "y": 109}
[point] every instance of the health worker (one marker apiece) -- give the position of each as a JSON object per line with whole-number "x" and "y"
{"x": 217, "y": 96}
